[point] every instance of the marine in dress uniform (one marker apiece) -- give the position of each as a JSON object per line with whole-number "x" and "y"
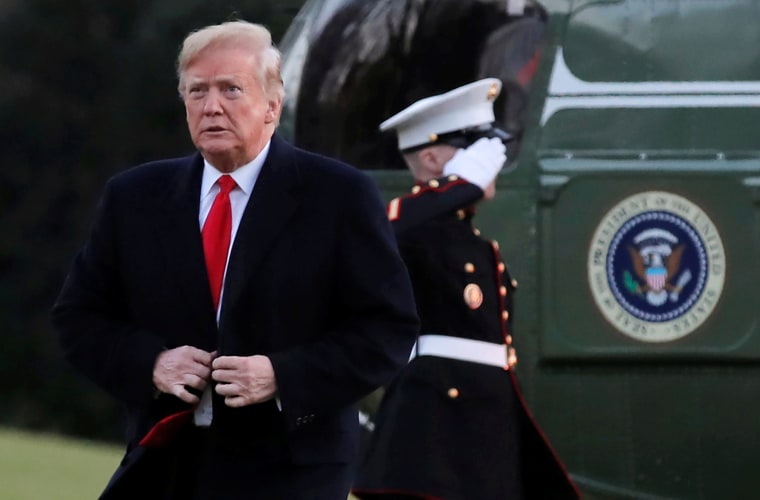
{"x": 453, "y": 425}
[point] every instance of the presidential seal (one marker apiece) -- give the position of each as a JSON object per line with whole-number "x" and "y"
{"x": 656, "y": 266}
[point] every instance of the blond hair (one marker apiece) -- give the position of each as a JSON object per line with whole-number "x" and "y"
{"x": 254, "y": 37}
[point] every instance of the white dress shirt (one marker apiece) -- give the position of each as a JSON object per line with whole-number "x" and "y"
{"x": 245, "y": 177}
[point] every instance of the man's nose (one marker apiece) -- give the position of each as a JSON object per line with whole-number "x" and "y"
{"x": 212, "y": 104}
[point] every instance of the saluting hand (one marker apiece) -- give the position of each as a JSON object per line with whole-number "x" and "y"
{"x": 244, "y": 380}
{"x": 182, "y": 367}
{"x": 480, "y": 163}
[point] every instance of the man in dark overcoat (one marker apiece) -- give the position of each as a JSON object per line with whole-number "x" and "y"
{"x": 238, "y": 301}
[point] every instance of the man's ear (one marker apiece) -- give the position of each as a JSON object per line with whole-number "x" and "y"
{"x": 273, "y": 110}
{"x": 428, "y": 159}
{"x": 427, "y": 163}
{"x": 434, "y": 158}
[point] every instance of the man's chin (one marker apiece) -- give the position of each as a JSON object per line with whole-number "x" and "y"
{"x": 215, "y": 144}
{"x": 223, "y": 157}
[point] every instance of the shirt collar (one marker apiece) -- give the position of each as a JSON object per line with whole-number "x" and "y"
{"x": 244, "y": 176}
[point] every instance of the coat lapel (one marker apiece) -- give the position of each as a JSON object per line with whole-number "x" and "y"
{"x": 180, "y": 241}
{"x": 271, "y": 204}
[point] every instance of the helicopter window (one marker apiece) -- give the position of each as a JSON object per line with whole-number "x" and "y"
{"x": 372, "y": 59}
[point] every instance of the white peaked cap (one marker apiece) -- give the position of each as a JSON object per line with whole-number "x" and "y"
{"x": 464, "y": 107}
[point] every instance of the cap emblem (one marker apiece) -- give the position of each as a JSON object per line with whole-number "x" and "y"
{"x": 493, "y": 92}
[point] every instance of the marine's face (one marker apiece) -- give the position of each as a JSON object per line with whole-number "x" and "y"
{"x": 229, "y": 116}
{"x": 428, "y": 163}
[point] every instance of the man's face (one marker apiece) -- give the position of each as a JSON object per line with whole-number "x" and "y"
{"x": 429, "y": 163}
{"x": 229, "y": 117}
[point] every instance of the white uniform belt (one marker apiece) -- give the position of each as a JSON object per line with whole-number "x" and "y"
{"x": 474, "y": 351}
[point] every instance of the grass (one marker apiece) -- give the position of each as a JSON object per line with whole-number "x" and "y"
{"x": 36, "y": 466}
{"x": 44, "y": 466}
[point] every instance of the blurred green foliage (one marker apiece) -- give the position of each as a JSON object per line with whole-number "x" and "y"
{"x": 88, "y": 89}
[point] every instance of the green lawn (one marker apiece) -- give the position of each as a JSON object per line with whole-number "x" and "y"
{"x": 42, "y": 466}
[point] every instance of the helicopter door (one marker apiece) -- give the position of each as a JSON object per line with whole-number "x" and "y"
{"x": 650, "y": 208}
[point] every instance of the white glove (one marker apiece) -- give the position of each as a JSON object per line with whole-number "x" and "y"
{"x": 480, "y": 163}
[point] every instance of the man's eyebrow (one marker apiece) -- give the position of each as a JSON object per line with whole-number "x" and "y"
{"x": 215, "y": 79}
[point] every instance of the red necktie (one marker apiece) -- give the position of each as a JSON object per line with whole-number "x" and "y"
{"x": 216, "y": 236}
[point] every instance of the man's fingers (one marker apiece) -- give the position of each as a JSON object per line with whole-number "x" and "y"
{"x": 224, "y": 376}
{"x": 195, "y": 381}
{"x": 232, "y": 396}
{"x": 191, "y": 355}
{"x": 227, "y": 389}
{"x": 182, "y": 393}
{"x": 244, "y": 380}
{"x": 202, "y": 357}
{"x": 235, "y": 401}
{"x": 226, "y": 363}
{"x": 181, "y": 368}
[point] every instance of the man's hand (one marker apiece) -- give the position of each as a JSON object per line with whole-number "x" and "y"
{"x": 182, "y": 367}
{"x": 244, "y": 380}
{"x": 480, "y": 163}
